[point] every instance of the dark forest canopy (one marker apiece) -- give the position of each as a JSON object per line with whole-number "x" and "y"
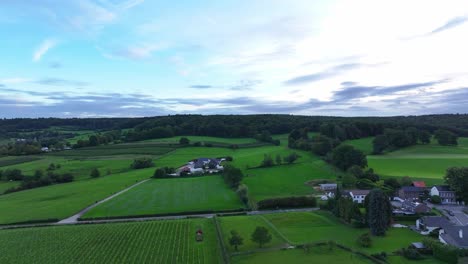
{"x": 234, "y": 125}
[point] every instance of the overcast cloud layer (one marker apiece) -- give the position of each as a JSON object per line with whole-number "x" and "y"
{"x": 88, "y": 58}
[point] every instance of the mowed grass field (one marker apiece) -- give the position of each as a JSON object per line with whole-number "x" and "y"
{"x": 421, "y": 161}
{"x": 161, "y": 196}
{"x": 304, "y": 227}
{"x": 245, "y": 225}
{"x": 140, "y": 242}
{"x": 292, "y": 256}
{"x": 63, "y": 200}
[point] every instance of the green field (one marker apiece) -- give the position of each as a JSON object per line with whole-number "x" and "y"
{"x": 140, "y": 242}
{"x": 293, "y": 256}
{"x": 245, "y": 225}
{"x": 205, "y": 139}
{"x": 13, "y": 160}
{"x": 161, "y": 196}
{"x": 4, "y": 185}
{"x": 138, "y": 148}
{"x": 63, "y": 200}
{"x": 421, "y": 161}
{"x": 321, "y": 226}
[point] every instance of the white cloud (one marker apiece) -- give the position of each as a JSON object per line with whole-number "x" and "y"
{"x": 43, "y": 48}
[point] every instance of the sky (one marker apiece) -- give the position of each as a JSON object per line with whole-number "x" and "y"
{"x": 129, "y": 58}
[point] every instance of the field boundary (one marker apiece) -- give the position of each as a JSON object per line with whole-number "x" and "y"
{"x": 276, "y": 230}
{"x": 219, "y": 235}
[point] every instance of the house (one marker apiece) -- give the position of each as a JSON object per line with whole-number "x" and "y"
{"x": 410, "y": 207}
{"x": 446, "y": 195}
{"x": 420, "y": 184}
{"x": 328, "y": 186}
{"x": 358, "y": 196}
{"x": 411, "y": 192}
{"x": 427, "y": 224}
{"x": 454, "y": 235}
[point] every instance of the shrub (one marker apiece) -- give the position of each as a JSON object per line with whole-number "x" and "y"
{"x": 229, "y": 158}
{"x": 184, "y": 141}
{"x": 411, "y": 253}
{"x": 141, "y": 163}
{"x": 159, "y": 173}
{"x": 288, "y": 202}
{"x": 197, "y": 144}
{"x": 242, "y": 191}
{"x": 435, "y": 199}
{"x": 13, "y": 175}
{"x": 267, "y": 161}
{"x": 95, "y": 173}
{"x": 364, "y": 240}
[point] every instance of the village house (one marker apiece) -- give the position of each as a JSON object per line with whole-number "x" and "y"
{"x": 420, "y": 184}
{"x": 358, "y": 196}
{"x": 446, "y": 195}
{"x": 411, "y": 192}
{"x": 427, "y": 224}
{"x": 454, "y": 235}
{"x": 408, "y": 207}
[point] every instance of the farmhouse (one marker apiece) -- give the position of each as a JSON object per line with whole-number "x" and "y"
{"x": 446, "y": 195}
{"x": 358, "y": 196}
{"x": 328, "y": 187}
{"x": 411, "y": 192}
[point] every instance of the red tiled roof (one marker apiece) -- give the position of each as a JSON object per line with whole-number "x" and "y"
{"x": 419, "y": 184}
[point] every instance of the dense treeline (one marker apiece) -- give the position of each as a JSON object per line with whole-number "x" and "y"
{"x": 39, "y": 178}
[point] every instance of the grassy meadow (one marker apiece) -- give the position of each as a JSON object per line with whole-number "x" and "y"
{"x": 205, "y": 139}
{"x": 161, "y": 196}
{"x": 139, "y": 242}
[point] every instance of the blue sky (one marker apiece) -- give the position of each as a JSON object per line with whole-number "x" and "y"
{"x": 91, "y": 58}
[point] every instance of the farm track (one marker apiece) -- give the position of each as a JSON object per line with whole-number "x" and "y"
{"x": 154, "y": 218}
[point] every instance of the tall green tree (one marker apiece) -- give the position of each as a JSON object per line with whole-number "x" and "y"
{"x": 235, "y": 240}
{"x": 379, "y": 144}
{"x": 261, "y": 236}
{"x": 457, "y": 179}
{"x": 345, "y": 156}
{"x": 445, "y": 137}
{"x": 95, "y": 173}
{"x": 379, "y": 212}
{"x": 424, "y": 137}
{"x": 232, "y": 176}
{"x": 321, "y": 145}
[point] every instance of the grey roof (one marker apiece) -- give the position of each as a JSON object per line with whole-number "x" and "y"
{"x": 443, "y": 188}
{"x": 452, "y": 235}
{"x": 328, "y": 185}
{"x": 435, "y": 221}
{"x": 412, "y": 189}
{"x": 359, "y": 192}
{"x": 418, "y": 245}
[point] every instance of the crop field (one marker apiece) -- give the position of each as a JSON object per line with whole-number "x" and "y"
{"x": 245, "y": 225}
{"x": 322, "y": 226}
{"x": 316, "y": 255}
{"x": 62, "y": 200}
{"x": 160, "y": 196}
{"x": 141, "y": 242}
{"x": 7, "y": 161}
{"x": 118, "y": 149}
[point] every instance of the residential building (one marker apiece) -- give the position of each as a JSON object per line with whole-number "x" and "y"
{"x": 411, "y": 192}
{"x": 427, "y": 224}
{"x": 358, "y": 196}
{"x": 446, "y": 195}
{"x": 420, "y": 184}
{"x": 415, "y": 208}
{"x": 454, "y": 235}
{"x": 328, "y": 186}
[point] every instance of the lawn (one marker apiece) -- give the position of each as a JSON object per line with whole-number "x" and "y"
{"x": 316, "y": 255}
{"x": 161, "y": 196}
{"x": 139, "y": 242}
{"x": 306, "y": 227}
{"x": 63, "y": 200}
{"x": 245, "y": 225}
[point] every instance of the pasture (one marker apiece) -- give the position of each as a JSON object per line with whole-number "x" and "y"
{"x": 204, "y": 139}
{"x": 162, "y": 196}
{"x": 320, "y": 254}
{"x": 139, "y": 242}
{"x": 307, "y": 227}
{"x": 245, "y": 225}
{"x": 62, "y": 200}
{"x": 363, "y": 144}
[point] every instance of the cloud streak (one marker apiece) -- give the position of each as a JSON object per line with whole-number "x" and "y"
{"x": 43, "y": 48}
{"x": 457, "y": 21}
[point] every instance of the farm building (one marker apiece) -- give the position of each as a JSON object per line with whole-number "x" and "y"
{"x": 328, "y": 187}
{"x": 446, "y": 195}
{"x": 358, "y": 196}
{"x": 411, "y": 192}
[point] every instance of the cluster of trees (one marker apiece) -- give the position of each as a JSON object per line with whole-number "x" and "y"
{"x": 363, "y": 179}
{"x": 40, "y": 179}
{"x": 445, "y": 137}
{"x": 445, "y": 253}
{"x": 393, "y": 139}
{"x": 11, "y": 175}
{"x": 141, "y": 163}
{"x": 288, "y": 159}
{"x": 21, "y": 148}
{"x": 99, "y": 139}
{"x": 457, "y": 179}
{"x": 287, "y": 202}
{"x": 163, "y": 172}
{"x": 346, "y": 156}
{"x": 265, "y": 136}
{"x": 260, "y": 235}
{"x": 232, "y": 176}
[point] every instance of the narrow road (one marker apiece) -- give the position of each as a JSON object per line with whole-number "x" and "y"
{"x": 74, "y": 218}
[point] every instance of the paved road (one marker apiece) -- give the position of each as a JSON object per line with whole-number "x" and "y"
{"x": 459, "y": 217}
{"x": 74, "y": 218}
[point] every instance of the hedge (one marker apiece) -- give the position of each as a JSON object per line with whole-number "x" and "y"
{"x": 287, "y": 202}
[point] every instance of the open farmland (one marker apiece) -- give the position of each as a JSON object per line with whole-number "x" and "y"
{"x": 63, "y": 200}
{"x": 363, "y": 144}
{"x": 316, "y": 255}
{"x": 139, "y": 148}
{"x": 421, "y": 161}
{"x": 162, "y": 196}
{"x": 205, "y": 139}
{"x": 142, "y": 242}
